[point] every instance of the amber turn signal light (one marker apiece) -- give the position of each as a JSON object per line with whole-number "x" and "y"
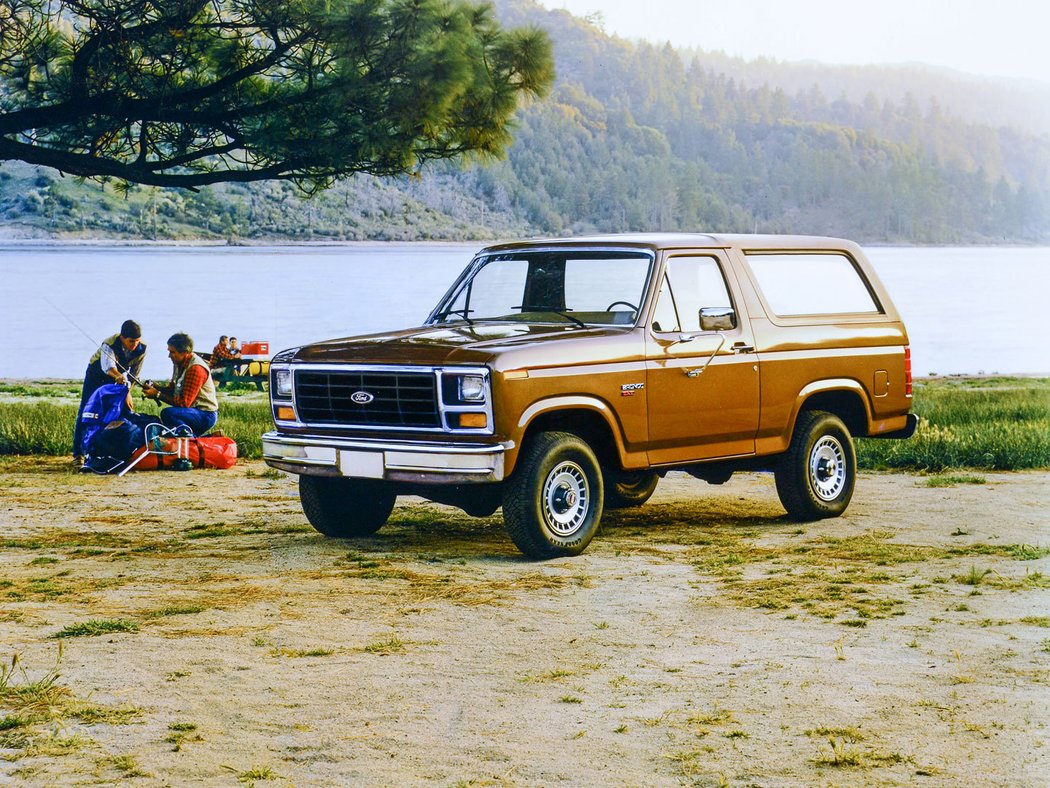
{"x": 473, "y": 420}
{"x": 285, "y": 413}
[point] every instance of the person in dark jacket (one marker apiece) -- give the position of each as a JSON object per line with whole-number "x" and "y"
{"x": 117, "y": 360}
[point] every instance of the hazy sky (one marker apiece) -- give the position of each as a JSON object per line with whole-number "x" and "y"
{"x": 997, "y": 37}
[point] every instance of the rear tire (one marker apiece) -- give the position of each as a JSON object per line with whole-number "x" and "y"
{"x": 815, "y": 477}
{"x": 345, "y": 508}
{"x": 626, "y": 489}
{"x": 552, "y": 503}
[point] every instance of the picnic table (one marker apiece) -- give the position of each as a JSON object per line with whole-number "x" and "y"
{"x": 240, "y": 370}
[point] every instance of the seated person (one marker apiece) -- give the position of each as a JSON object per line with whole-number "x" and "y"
{"x": 235, "y": 350}
{"x": 220, "y": 354}
{"x": 190, "y": 392}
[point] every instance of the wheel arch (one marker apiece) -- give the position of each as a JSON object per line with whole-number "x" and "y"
{"x": 844, "y": 397}
{"x": 589, "y": 418}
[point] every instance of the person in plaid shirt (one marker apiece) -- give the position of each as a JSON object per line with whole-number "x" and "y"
{"x": 190, "y": 394}
{"x": 220, "y": 354}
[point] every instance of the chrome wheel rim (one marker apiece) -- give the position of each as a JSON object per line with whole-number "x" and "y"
{"x": 827, "y": 468}
{"x": 566, "y": 498}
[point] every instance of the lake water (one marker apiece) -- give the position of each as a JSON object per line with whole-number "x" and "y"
{"x": 969, "y": 310}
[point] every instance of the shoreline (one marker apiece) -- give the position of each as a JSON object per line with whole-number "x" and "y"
{"x": 15, "y": 241}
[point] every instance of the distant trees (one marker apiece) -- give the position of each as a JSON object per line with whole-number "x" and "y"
{"x": 636, "y": 138}
{"x": 195, "y": 92}
{"x": 632, "y": 137}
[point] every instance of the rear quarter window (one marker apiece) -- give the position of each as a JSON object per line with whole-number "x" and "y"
{"x": 812, "y": 284}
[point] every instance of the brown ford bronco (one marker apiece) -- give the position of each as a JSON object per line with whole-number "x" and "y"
{"x": 560, "y": 377}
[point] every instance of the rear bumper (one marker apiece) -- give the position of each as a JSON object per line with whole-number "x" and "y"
{"x": 909, "y": 429}
{"x": 403, "y": 461}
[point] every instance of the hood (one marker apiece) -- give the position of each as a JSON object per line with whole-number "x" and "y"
{"x": 434, "y": 345}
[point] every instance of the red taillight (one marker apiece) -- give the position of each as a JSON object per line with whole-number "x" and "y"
{"x": 907, "y": 371}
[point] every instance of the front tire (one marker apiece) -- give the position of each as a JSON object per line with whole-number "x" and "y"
{"x": 345, "y": 508}
{"x": 815, "y": 477}
{"x": 627, "y": 489}
{"x": 552, "y": 503}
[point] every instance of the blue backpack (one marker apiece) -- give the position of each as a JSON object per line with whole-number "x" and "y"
{"x": 105, "y": 405}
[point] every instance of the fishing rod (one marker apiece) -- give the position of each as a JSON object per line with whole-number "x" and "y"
{"x": 98, "y": 345}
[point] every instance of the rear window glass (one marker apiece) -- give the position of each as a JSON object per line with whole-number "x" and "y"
{"x": 811, "y": 284}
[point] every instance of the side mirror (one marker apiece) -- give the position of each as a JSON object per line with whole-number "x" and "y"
{"x": 717, "y": 318}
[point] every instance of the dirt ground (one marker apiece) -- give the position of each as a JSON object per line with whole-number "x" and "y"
{"x": 702, "y": 639}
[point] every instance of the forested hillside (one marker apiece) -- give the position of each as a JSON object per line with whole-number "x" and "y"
{"x": 638, "y": 137}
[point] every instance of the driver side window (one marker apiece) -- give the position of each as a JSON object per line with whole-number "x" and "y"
{"x": 690, "y": 283}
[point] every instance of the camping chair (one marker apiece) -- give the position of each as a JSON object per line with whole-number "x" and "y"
{"x": 155, "y": 436}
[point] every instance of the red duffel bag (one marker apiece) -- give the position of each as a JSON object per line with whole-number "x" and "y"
{"x": 202, "y": 452}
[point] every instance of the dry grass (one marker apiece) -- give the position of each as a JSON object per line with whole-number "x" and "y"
{"x": 34, "y": 709}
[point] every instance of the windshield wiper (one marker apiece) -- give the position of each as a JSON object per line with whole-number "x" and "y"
{"x": 567, "y": 316}
{"x": 464, "y": 313}
{"x": 559, "y": 312}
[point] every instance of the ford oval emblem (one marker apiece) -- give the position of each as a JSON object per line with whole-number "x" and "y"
{"x": 362, "y": 397}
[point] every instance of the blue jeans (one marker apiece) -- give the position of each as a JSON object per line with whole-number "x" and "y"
{"x": 200, "y": 422}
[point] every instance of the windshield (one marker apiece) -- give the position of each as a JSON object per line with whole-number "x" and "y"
{"x": 582, "y": 287}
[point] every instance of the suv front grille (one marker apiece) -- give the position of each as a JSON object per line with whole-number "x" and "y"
{"x": 400, "y": 399}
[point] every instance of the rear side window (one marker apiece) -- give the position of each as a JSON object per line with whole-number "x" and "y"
{"x": 811, "y": 284}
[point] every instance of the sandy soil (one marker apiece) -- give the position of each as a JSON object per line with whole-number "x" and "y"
{"x": 702, "y": 639}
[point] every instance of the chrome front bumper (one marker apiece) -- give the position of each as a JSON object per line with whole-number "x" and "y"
{"x": 403, "y": 461}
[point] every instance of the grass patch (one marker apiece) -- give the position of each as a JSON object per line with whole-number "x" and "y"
{"x": 295, "y": 653}
{"x": 849, "y": 734}
{"x": 182, "y": 732}
{"x": 53, "y": 745}
{"x": 175, "y": 610}
{"x": 845, "y": 755}
{"x": 1001, "y": 424}
{"x": 49, "y": 389}
{"x": 29, "y": 704}
{"x": 97, "y": 626}
{"x": 839, "y": 578}
{"x": 989, "y": 424}
{"x": 93, "y": 714}
{"x": 269, "y": 473}
{"x": 127, "y": 765}
{"x": 32, "y": 700}
{"x": 1037, "y": 621}
{"x": 950, "y": 480}
{"x": 33, "y": 427}
{"x": 392, "y": 645}
{"x": 29, "y": 425}
{"x": 257, "y": 773}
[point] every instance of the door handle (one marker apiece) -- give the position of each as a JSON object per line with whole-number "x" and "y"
{"x": 698, "y": 371}
{"x": 743, "y": 347}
